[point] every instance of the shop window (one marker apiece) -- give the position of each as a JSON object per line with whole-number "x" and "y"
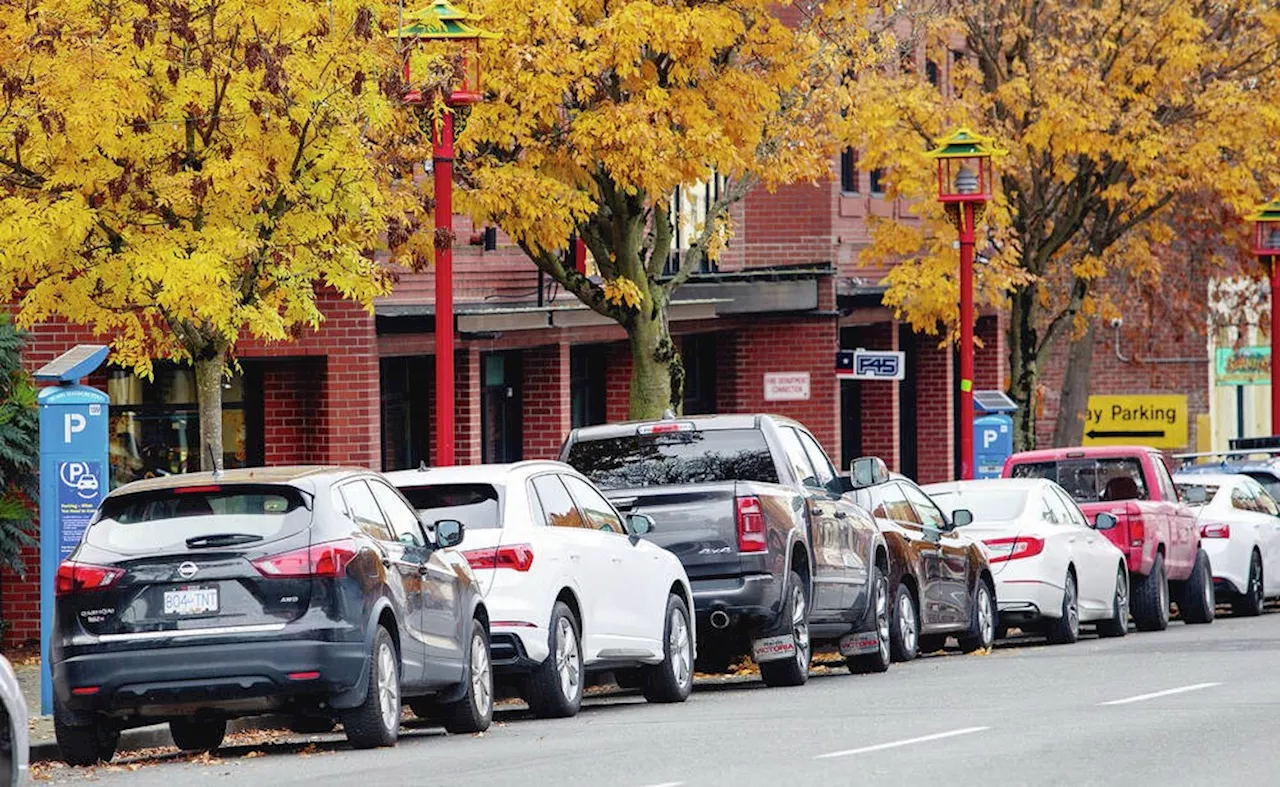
{"x": 587, "y": 385}
{"x": 849, "y": 171}
{"x": 876, "y": 183}
{"x": 689, "y": 212}
{"x": 407, "y": 389}
{"x": 155, "y": 424}
{"x": 699, "y": 354}
{"x": 501, "y": 402}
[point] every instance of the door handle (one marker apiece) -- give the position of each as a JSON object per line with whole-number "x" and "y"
{"x": 422, "y": 569}
{"x": 574, "y": 556}
{"x": 841, "y": 514}
{"x": 615, "y": 560}
{"x": 386, "y": 562}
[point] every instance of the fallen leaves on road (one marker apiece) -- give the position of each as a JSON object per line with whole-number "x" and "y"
{"x": 205, "y": 758}
{"x": 254, "y": 754}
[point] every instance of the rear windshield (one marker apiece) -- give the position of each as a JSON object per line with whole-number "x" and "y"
{"x": 989, "y": 505}
{"x": 1269, "y": 482}
{"x": 675, "y": 458}
{"x": 208, "y": 516}
{"x": 1210, "y": 492}
{"x": 1091, "y": 480}
{"x": 474, "y": 505}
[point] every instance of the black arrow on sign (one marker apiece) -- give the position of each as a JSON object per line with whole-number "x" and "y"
{"x": 1150, "y": 433}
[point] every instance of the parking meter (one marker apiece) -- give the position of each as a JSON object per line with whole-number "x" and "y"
{"x": 73, "y": 474}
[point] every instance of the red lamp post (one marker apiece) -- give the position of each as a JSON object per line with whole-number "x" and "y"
{"x": 1266, "y": 244}
{"x": 443, "y": 21}
{"x": 964, "y": 187}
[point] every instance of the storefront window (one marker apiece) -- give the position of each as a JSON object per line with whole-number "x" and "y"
{"x": 155, "y": 424}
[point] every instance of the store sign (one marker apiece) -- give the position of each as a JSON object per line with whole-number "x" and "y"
{"x": 1242, "y": 366}
{"x": 871, "y": 364}
{"x": 1159, "y": 421}
{"x": 786, "y": 386}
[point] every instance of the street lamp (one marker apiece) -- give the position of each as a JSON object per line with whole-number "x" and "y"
{"x": 1266, "y": 244}
{"x": 964, "y": 187}
{"x": 443, "y": 21}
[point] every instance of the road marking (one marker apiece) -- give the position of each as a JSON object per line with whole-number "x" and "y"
{"x": 896, "y": 744}
{"x": 1153, "y": 695}
{"x": 667, "y": 784}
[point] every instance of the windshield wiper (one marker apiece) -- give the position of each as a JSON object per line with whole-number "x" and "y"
{"x": 222, "y": 540}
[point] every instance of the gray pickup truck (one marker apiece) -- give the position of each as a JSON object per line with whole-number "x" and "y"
{"x": 778, "y": 557}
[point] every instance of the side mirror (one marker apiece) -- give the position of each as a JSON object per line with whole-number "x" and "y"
{"x": 639, "y": 525}
{"x": 1195, "y": 494}
{"x": 449, "y": 533}
{"x": 961, "y": 517}
{"x": 868, "y": 471}
{"x": 1104, "y": 521}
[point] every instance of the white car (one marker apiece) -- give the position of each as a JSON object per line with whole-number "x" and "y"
{"x": 14, "y": 750}
{"x": 571, "y": 586}
{"x": 1053, "y": 569}
{"x": 1240, "y": 531}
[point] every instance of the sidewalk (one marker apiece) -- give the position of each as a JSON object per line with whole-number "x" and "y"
{"x": 44, "y": 746}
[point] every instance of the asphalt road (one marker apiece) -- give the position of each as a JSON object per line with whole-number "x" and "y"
{"x": 1189, "y": 706}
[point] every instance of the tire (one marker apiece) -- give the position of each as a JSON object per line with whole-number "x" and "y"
{"x": 793, "y": 671}
{"x": 879, "y": 660}
{"x": 474, "y": 711}
{"x": 1249, "y": 603}
{"x": 983, "y": 620}
{"x": 672, "y": 680}
{"x": 1195, "y": 596}
{"x": 554, "y": 689}
{"x": 82, "y": 739}
{"x": 198, "y": 734}
{"x": 1065, "y": 629}
{"x": 904, "y": 636}
{"x": 1150, "y": 599}
{"x": 1118, "y": 625}
{"x": 376, "y": 721}
{"x": 932, "y": 643}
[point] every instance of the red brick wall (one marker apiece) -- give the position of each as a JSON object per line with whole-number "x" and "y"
{"x": 790, "y": 225}
{"x": 466, "y": 426}
{"x": 880, "y": 399}
{"x": 935, "y": 427}
{"x": 617, "y": 406}
{"x": 547, "y": 404}
{"x": 291, "y": 392}
{"x": 990, "y": 360}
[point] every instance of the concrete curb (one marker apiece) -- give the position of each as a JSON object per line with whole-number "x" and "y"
{"x": 157, "y": 735}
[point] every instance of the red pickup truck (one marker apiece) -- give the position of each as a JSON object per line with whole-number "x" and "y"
{"x": 1155, "y": 529}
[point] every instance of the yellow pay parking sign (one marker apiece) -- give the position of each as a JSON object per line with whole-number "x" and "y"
{"x": 1157, "y": 420}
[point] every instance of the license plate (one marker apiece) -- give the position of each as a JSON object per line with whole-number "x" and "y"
{"x": 773, "y": 648}
{"x": 190, "y": 601}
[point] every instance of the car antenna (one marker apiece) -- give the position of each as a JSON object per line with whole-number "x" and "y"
{"x": 668, "y": 415}
{"x": 423, "y": 467}
{"x": 213, "y": 462}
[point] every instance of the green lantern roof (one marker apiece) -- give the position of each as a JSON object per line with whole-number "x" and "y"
{"x": 1267, "y": 212}
{"x": 963, "y": 143}
{"x": 441, "y": 20}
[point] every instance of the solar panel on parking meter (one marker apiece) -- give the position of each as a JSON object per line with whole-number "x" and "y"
{"x": 73, "y": 474}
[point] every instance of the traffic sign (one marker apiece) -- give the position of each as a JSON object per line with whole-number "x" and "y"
{"x": 871, "y": 364}
{"x": 1159, "y": 421}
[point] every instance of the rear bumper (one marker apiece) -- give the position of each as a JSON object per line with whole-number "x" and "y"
{"x": 518, "y": 648}
{"x": 229, "y": 676}
{"x": 1229, "y": 559}
{"x": 1025, "y": 599}
{"x": 754, "y": 599}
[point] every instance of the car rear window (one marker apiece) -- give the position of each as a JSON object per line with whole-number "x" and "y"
{"x": 1269, "y": 482}
{"x": 476, "y": 506}
{"x": 1210, "y": 491}
{"x": 1091, "y": 480}
{"x": 164, "y": 520}
{"x": 989, "y": 505}
{"x": 693, "y": 457}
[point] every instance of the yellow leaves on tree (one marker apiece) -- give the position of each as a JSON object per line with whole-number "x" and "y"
{"x": 623, "y": 292}
{"x": 177, "y": 175}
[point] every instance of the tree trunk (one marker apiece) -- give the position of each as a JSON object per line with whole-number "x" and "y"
{"x": 1069, "y": 428}
{"x": 1023, "y": 371}
{"x": 654, "y": 362}
{"x": 209, "y": 368}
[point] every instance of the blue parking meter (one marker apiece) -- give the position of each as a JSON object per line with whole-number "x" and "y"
{"x": 992, "y": 444}
{"x": 73, "y": 474}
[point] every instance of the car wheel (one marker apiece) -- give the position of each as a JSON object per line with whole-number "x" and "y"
{"x": 198, "y": 734}
{"x": 1250, "y": 602}
{"x": 376, "y": 721}
{"x": 795, "y": 670}
{"x": 672, "y": 680}
{"x": 1118, "y": 625}
{"x": 1195, "y": 596}
{"x": 1066, "y": 629}
{"x": 474, "y": 711}
{"x": 932, "y": 643}
{"x": 82, "y": 738}
{"x": 905, "y": 634}
{"x": 877, "y": 661}
{"x": 554, "y": 689}
{"x": 982, "y": 620}
{"x": 1150, "y": 599}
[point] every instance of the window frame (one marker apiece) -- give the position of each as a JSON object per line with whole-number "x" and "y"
{"x": 357, "y": 519}
{"x": 820, "y": 461}
{"x": 554, "y": 478}
{"x": 419, "y": 533}
{"x": 908, "y": 489}
{"x": 785, "y": 432}
{"x": 566, "y": 478}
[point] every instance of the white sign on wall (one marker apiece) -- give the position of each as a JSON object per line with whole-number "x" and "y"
{"x": 786, "y": 386}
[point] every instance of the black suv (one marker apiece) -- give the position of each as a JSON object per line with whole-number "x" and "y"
{"x": 310, "y": 591}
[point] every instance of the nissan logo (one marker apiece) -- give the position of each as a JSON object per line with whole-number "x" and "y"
{"x": 188, "y": 570}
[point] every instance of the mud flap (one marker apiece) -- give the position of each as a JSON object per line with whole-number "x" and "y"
{"x": 776, "y": 648}
{"x": 857, "y": 644}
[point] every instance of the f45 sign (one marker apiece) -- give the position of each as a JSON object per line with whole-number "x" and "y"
{"x": 871, "y": 365}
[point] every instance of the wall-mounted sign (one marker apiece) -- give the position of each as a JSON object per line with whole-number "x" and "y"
{"x": 871, "y": 364}
{"x": 786, "y": 386}
{"x": 1155, "y": 420}
{"x": 1242, "y": 366}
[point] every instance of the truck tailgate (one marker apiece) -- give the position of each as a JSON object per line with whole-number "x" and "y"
{"x": 697, "y": 523}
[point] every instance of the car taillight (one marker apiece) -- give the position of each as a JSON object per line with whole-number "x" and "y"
{"x": 514, "y": 556}
{"x": 1003, "y": 549}
{"x": 751, "y": 533}
{"x": 1137, "y": 531}
{"x": 76, "y": 577}
{"x": 329, "y": 559}
{"x": 1216, "y": 531}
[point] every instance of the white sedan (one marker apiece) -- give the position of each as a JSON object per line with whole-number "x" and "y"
{"x": 1053, "y": 569}
{"x": 570, "y": 586}
{"x": 1240, "y": 532}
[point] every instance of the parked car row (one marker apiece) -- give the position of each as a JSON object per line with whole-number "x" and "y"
{"x": 339, "y": 595}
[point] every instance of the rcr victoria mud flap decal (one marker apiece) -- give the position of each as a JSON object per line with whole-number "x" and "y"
{"x": 854, "y": 644}
{"x": 776, "y": 648}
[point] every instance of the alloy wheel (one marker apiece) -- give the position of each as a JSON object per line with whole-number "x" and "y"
{"x": 986, "y": 619}
{"x": 388, "y": 688}
{"x": 1164, "y": 596}
{"x": 678, "y": 648}
{"x": 1208, "y": 588}
{"x": 1255, "y": 578}
{"x": 481, "y": 680}
{"x": 882, "y": 618}
{"x": 1122, "y": 597}
{"x": 907, "y": 622}
{"x": 800, "y": 627}
{"x": 1071, "y": 604}
{"x": 567, "y": 662}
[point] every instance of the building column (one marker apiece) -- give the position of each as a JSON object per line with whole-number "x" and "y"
{"x": 880, "y": 400}
{"x": 468, "y": 385}
{"x": 548, "y": 402}
{"x": 935, "y": 412}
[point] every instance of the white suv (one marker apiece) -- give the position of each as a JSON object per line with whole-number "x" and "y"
{"x": 570, "y": 585}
